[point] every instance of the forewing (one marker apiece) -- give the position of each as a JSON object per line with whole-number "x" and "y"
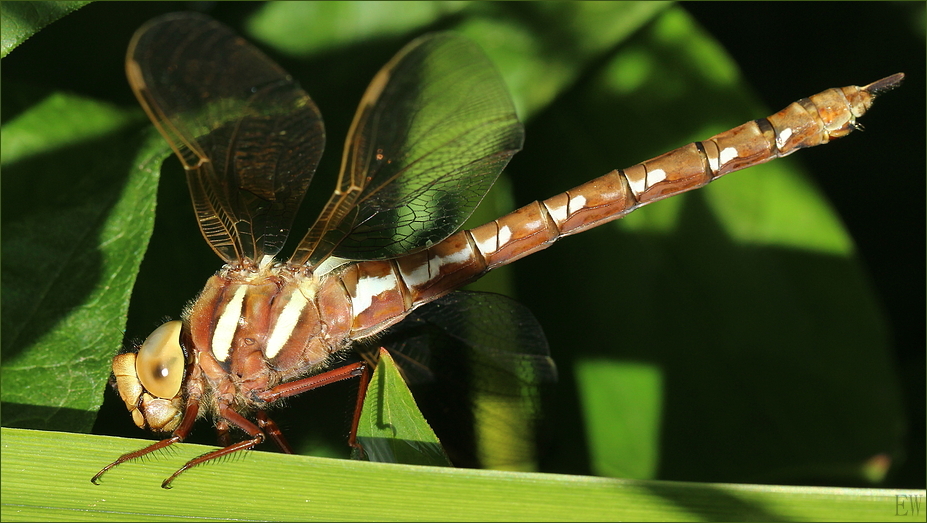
{"x": 247, "y": 135}
{"x": 432, "y": 133}
{"x": 476, "y": 363}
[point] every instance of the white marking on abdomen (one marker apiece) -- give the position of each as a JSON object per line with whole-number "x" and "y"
{"x": 228, "y": 322}
{"x": 638, "y": 185}
{"x": 369, "y": 287}
{"x": 559, "y": 214}
{"x": 713, "y": 163}
{"x": 727, "y": 154}
{"x": 505, "y": 235}
{"x": 425, "y": 273}
{"x": 577, "y": 202}
{"x": 286, "y": 322}
{"x": 655, "y": 176}
{"x": 783, "y": 137}
{"x": 500, "y": 239}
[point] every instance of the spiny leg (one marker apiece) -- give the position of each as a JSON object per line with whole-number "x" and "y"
{"x": 179, "y": 434}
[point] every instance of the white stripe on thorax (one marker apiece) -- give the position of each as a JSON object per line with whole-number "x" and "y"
{"x": 228, "y": 322}
{"x": 286, "y": 322}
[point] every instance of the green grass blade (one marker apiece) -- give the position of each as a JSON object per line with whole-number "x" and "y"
{"x": 260, "y": 486}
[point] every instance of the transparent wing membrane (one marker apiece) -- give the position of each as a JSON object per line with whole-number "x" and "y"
{"x": 476, "y": 363}
{"x": 247, "y": 135}
{"x": 432, "y": 133}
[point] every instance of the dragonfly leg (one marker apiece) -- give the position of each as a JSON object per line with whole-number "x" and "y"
{"x": 361, "y": 395}
{"x": 360, "y": 369}
{"x": 285, "y": 390}
{"x": 222, "y": 433}
{"x": 273, "y": 431}
{"x": 228, "y": 415}
{"x": 189, "y": 417}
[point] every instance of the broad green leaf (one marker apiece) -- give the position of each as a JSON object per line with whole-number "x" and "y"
{"x": 79, "y": 185}
{"x": 538, "y": 70}
{"x": 21, "y": 20}
{"x": 58, "y": 121}
{"x": 285, "y": 26}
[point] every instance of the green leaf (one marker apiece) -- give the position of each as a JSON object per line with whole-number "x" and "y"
{"x": 392, "y": 429}
{"x": 21, "y": 20}
{"x": 59, "y": 120}
{"x": 263, "y": 486}
{"x": 284, "y": 26}
{"x": 79, "y": 195}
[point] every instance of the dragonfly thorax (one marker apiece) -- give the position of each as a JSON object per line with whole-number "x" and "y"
{"x": 247, "y": 331}
{"x": 251, "y": 331}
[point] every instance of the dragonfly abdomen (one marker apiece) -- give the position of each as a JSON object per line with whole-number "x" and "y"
{"x": 811, "y": 121}
{"x": 383, "y": 292}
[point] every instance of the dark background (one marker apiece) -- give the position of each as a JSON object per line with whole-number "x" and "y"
{"x": 767, "y": 41}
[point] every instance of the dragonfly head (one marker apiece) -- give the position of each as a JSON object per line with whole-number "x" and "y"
{"x": 149, "y": 381}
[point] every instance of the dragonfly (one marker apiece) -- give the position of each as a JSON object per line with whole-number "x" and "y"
{"x": 433, "y": 131}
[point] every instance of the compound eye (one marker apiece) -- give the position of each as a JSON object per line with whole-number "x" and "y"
{"x": 160, "y": 362}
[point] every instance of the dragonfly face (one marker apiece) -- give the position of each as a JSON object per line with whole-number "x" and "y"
{"x": 150, "y": 381}
{"x": 434, "y": 129}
